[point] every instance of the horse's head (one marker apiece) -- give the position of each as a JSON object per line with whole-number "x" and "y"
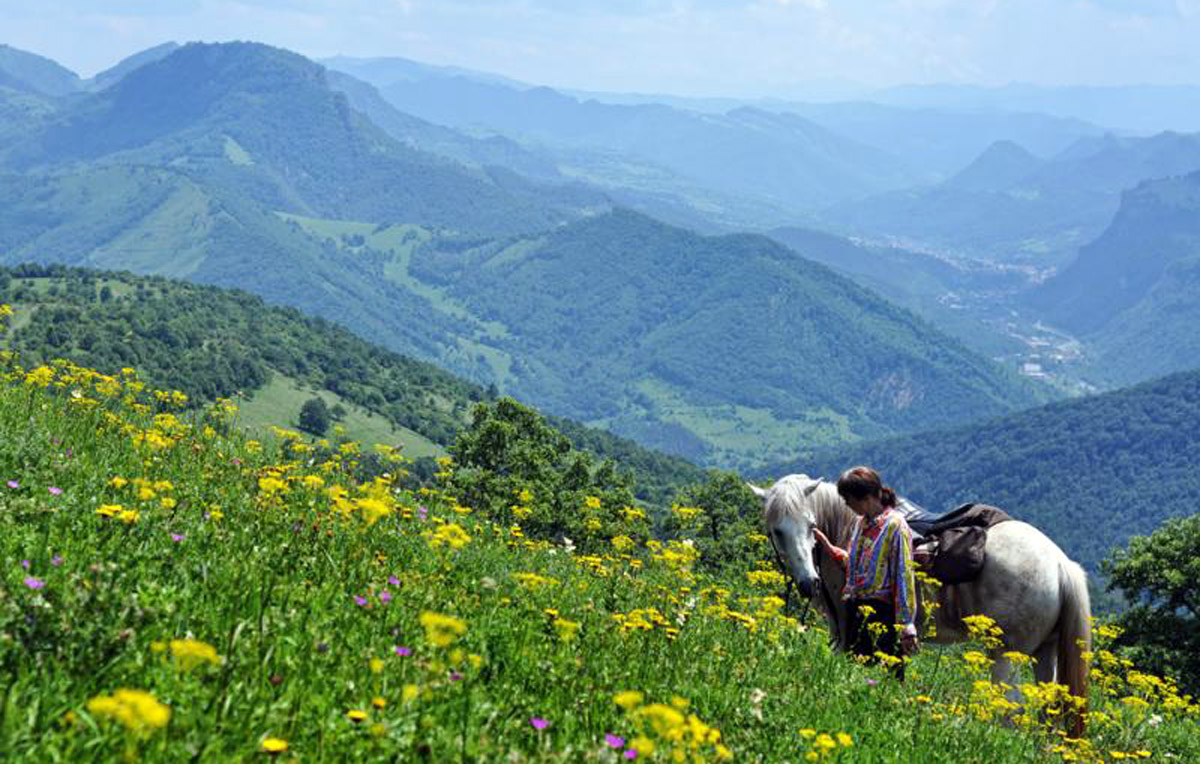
{"x": 790, "y": 514}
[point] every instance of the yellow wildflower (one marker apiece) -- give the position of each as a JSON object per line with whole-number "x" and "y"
{"x": 442, "y": 630}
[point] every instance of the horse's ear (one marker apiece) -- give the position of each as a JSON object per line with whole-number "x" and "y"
{"x": 813, "y": 486}
{"x": 759, "y": 492}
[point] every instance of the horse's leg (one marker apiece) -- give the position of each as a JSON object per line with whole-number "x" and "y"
{"x": 1045, "y": 660}
{"x": 1002, "y": 674}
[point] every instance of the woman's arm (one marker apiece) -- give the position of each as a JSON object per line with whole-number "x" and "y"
{"x": 839, "y": 555}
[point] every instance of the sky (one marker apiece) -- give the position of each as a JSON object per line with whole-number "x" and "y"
{"x": 685, "y": 47}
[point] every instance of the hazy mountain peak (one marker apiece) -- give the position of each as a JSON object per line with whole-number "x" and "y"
{"x": 34, "y": 73}
{"x": 1001, "y": 164}
{"x": 114, "y": 73}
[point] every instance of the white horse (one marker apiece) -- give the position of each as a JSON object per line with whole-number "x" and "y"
{"x": 1028, "y": 586}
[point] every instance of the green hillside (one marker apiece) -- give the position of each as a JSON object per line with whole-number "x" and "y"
{"x": 210, "y": 343}
{"x": 742, "y": 349}
{"x": 1090, "y": 472}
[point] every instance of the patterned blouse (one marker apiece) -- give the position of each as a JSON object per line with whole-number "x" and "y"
{"x": 880, "y": 564}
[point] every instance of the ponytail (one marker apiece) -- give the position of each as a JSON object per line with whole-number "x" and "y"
{"x": 887, "y": 497}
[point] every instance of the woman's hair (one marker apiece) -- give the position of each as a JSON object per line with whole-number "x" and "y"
{"x": 860, "y": 482}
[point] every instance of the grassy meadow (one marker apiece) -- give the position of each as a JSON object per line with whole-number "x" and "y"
{"x": 175, "y": 591}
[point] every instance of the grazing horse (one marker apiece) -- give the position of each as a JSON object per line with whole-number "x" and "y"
{"x": 1028, "y": 586}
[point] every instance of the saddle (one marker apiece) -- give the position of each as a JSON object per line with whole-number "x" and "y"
{"x": 950, "y": 547}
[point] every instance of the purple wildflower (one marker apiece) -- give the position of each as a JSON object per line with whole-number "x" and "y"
{"x": 360, "y": 600}
{"x": 393, "y": 581}
{"x": 872, "y": 682}
{"x": 25, "y": 564}
{"x": 13, "y": 484}
{"x": 456, "y": 677}
{"x": 178, "y": 537}
{"x": 630, "y": 753}
{"x": 613, "y": 741}
{"x": 56, "y": 560}
{"x": 539, "y": 723}
{"x": 54, "y": 490}
{"x": 401, "y": 650}
{"x": 34, "y": 583}
{"x": 385, "y": 596}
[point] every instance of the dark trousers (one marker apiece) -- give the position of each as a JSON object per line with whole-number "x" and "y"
{"x": 868, "y": 641}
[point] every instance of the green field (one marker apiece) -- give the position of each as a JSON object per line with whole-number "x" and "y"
{"x": 278, "y": 403}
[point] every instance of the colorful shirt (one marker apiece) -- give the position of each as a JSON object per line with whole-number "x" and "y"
{"x": 880, "y": 564}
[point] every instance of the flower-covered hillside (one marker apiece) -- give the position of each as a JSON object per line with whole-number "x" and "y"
{"x": 172, "y": 591}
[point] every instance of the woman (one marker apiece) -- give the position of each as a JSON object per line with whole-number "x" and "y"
{"x": 879, "y": 568}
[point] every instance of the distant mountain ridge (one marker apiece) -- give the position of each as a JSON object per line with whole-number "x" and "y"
{"x": 780, "y": 157}
{"x": 1010, "y": 206}
{"x": 1145, "y": 108}
{"x": 217, "y": 111}
{"x": 35, "y": 74}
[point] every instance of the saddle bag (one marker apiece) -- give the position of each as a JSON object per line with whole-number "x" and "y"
{"x": 958, "y": 554}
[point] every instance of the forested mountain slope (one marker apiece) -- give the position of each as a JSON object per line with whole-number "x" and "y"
{"x": 636, "y": 324}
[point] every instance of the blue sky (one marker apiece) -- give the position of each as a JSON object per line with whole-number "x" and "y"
{"x": 692, "y": 47}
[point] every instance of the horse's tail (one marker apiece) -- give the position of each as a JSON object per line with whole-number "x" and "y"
{"x": 1074, "y": 638}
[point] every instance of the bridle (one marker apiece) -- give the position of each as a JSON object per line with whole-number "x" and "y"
{"x": 826, "y": 600}
{"x": 791, "y": 583}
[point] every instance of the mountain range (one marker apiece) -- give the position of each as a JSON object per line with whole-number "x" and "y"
{"x": 242, "y": 165}
{"x": 1011, "y": 206}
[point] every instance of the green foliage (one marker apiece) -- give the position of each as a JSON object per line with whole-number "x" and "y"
{"x": 721, "y": 515}
{"x": 314, "y": 416}
{"x": 1159, "y": 575}
{"x": 513, "y": 466}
